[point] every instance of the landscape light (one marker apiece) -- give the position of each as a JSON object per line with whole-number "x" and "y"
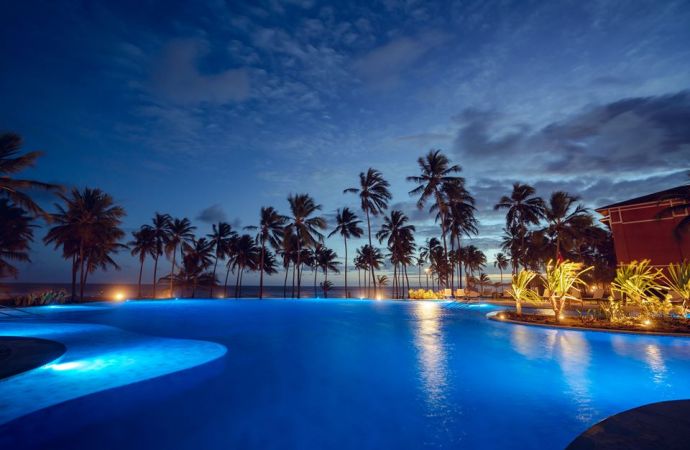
{"x": 119, "y": 296}
{"x": 647, "y": 322}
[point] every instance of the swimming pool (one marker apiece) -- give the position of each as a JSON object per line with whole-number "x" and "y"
{"x": 333, "y": 374}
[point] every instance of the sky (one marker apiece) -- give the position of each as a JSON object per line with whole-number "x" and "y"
{"x": 212, "y": 109}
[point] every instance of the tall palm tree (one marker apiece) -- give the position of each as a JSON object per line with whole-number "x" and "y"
{"x": 287, "y": 252}
{"x": 179, "y": 231}
{"x": 437, "y": 181}
{"x": 221, "y": 238}
{"x": 400, "y": 242}
{"x": 11, "y": 162}
{"x": 88, "y": 228}
{"x": 524, "y": 208}
{"x": 271, "y": 230}
{"x": 567, "y": 220}
{"x": 501, "y": 263}
{"x": 143, "y": 244}
{"x": 199, "y": 254}
{"x": 347, "y": 225}
{"x": 327, "y": 260}
{"x": 306, "y": 226}
{"x": 245, "y": 256}
{"x": 161, "y": 224}
{"x": 16, "y": 232}
{"x": 374, "y": 196}
{"x": 372, "y": 258}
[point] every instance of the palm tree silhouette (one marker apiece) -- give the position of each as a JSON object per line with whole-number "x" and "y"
{"x": 567, "y": 220}
{"x": 245, "y": 255}
{"x": 221, "y": 238}
{"x": 400, "y": 238}
{"x": 437, "y": 181}
{"x": 306, "y": 227}
{"x": 287, "y": 251}
{"x": 179, "y": 231}
{"x": 88, "y": 229}
{"x": 161, "y": 224}
{"x": 523, "y": 209}
{"x": 16, "y": 231}
{"x": 143, "y": 244}
{"x": 326, "y": 260}
{"x": 199, "y": 255}
{"x": 11, "y": 162}
{"x": 374, "y": 196}
{"x": 501, "y": 263}
{"x": 347, "y": 225}
{"x": 271, "y": 229}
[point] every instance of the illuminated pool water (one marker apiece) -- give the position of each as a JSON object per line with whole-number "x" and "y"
{"x": 336, "y": 374}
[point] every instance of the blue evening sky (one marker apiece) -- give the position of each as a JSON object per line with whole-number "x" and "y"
{"x": 211, "y": 109}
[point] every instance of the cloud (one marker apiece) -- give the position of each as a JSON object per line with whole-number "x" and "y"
{"x": 212, "y": 214}
{"x": 626, "y": 136}
{"x": 178, "y": 79}
{"x": 383, "y": 66}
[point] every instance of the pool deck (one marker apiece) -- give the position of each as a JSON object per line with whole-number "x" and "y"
{"x": 19, "y": 354}
{"x": 663, "y": 425}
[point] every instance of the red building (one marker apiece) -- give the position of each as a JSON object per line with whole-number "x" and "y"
{"x": 638, "y": 232}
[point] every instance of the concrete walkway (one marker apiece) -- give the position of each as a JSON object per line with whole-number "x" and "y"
{"x": 19, "y": 354}
{"x": 663, "y": 425}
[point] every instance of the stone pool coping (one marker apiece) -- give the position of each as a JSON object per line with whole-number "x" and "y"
{"x": 19, "y": 354}
{"x": 493, "y": 316}
{"x": 650, "y": 427}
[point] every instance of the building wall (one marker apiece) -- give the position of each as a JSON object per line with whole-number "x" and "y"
{"x": 638, "y": 234}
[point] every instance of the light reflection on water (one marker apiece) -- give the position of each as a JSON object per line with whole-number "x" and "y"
{"x": 647, "y": 351}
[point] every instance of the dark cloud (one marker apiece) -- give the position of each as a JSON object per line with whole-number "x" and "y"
{"x": 213, "y": 214}
{"x": 627, "y": 136}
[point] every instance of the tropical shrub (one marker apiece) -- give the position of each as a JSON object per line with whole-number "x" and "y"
{"x": 520, "y": 290}
{"x": 50, "y": 297}
{"x": 423, "y": 294}
{"x": 678, "y": 281}
{"x": 561, "y": 277}
{"x": 638, "y": 284}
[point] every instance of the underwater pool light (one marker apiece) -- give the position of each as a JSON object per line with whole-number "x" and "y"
{"x": 65, "y": 366}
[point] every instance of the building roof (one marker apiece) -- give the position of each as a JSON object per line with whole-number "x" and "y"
{"x": 676, "y": 192}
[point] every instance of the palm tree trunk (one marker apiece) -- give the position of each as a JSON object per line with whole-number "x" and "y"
{"x": 371, "y": 263}
{"x": 299, "y": 265}
{"x": 141, "y": 271}
{"x": 239, "y": 294}
{"x": 172, "y": 272}
{"x": 213, "y": 281}
{"x": 293, "y": 279}
{"x": 287, "y": 271}
{"x": 316, "y": 271}
{"x": 81, "y": 273}
{"x": 225, "y": 286}
{"x": 155, "y": 271}
{"x": 347, "y": 294}
{"x": 261, "y": 268}
{"x": 237, "y": 282}
{"x": 325, "y": 284}
{"x": 407, "y": 278}
{"x": 74, "y": 277}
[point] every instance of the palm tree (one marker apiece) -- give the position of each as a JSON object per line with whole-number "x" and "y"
{"x": 245, "y": 256}
{"x": 523, "y": 209}
{"x": 161, "y": 224}
{"x": 437, "y": 181}
{"x": 372, "y": 258}
{"x": 16, "y": 231}
{"x": 199, "y": 254}
{"x": 483, "y": 279}
{"x": 221, "y": 238}
{"x": 326, "y": 260}
{"x": 501, "y": 263}
{"x": 88, "y": 229}
{"x": 347, "y": 225}
{"x": 179, "y": 231}
{"x": 287, "y": 251}
{"x": 271, "y": 230}
{"x": 400, "y": 242}
{"x": 305, "y": 225}
{"x": 374, "y": 196}
{"x": 143, "y": 244}
{"x": 11, "y": 163}
{"x": 566, "y": 220}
